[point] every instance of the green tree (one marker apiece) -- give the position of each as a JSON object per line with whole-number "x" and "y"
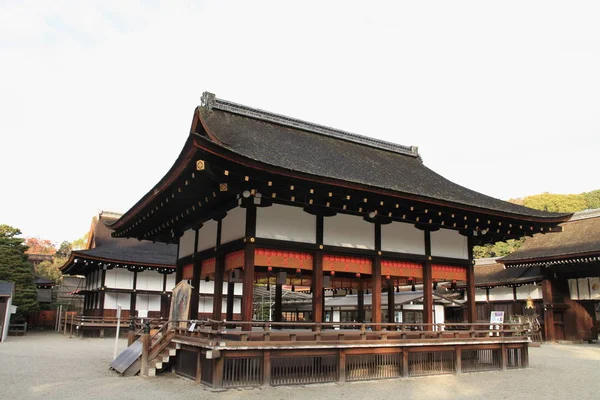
{"x": 498, "y": 249}
{"x": 592, "y": 199}
{"x": 15, "y": 268}
{"x": 564, "y": 203}
{"x": 79, "y": 244}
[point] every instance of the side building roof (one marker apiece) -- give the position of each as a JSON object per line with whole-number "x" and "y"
{"x": 580, "y": 237}
{"x": 103, "y": 247}
{"x": 489, "y": 272}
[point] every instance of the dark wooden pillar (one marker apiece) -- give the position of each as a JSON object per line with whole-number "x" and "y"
{"x": 317, "y": 275}
{"x": 391, "y": 301}
{"x": 427, "y": 284}
{"x": 361, "y": 303}
{"x": 178, "y": 267}
{"x": 376, "y": 279}
{"x": 196, "y": 272}
{"x": 218, "y": 291}
{"x": 548, "y": 310}
{"x": 230, "y": 299}
{"x": 471, "y": 307}
{"x": 248, "y": 301}
{"x": 133, "y": 299}
{"x": 219, "y": 277}
{"x": 277, "y": 313}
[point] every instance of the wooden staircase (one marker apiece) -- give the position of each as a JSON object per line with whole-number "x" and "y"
{"x": 161, "y": 350}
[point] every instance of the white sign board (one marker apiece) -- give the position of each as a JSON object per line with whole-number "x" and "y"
{"x": 496, "y": 317}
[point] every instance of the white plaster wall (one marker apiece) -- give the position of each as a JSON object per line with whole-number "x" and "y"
{"x": 207, "y": 287}
{"x": 501, "y": 293}
{"x": 186, "y": 243}
{"x": 449, "y": 243}
{"x": 402, "y": 238}
{"x": 149, "y": 280}
{"x": 480, "y": 295}
{"x": 534, "y": 291}
{"x": 207, "y": 235}
{"x": 205, "y": 305}
{"x": 148, "y": 302}
{"x": 349, "y": 231}
{"x": 119, "y": 278}
{"x": 584, "y": 289}
{"x": 336, "y": 316}
{"x": 112, "y": 300}
{"x": 233, "y": 225}
{"x": 438, "y": 314}
{"x": 237, "y": 306}
{"x": 286, "y": 223}
{"x": 170, "y": 282}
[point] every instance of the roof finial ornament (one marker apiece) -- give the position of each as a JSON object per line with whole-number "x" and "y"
{"x": 207, "y": 100}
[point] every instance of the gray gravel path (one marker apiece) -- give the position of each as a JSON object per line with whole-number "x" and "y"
{"x": 51, "y": 366}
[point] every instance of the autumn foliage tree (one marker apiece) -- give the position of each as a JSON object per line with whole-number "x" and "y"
{"x": 39, "y": 246}
{"x": 14, "y": 267}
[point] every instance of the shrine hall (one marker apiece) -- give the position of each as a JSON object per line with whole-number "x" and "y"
{"x": 259, "y": 198}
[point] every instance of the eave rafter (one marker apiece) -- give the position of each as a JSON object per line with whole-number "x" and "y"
{"x": 209, "y": 185}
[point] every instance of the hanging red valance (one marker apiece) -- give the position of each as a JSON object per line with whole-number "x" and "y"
{"x": 283, "y": 259}
{"x": 208, "y": 267}
{"x": 347, "y": 264}
{"x": 188, "y": 271}
{"x": 234, "y": 260}
{"x": 448, "y": 272}
{"x": 401, "y": 268}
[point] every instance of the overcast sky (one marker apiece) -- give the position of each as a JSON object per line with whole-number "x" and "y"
{"x": 96, "y": 100}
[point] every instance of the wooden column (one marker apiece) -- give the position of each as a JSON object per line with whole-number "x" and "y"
{"x": 218, "y": 291}
{"x": 178, "y": 267}
{"x": 248, "y": 301}
{"x": 219, "y": 278}
{"x": 230, "y": 300}
{"x": 133, "y": 300}
{"x": 391, "y": 301}
{"x": 471, "y": 307}
{"x": 376, "y": 280}
{"x": 278, "y": 297}
{"x": 427, "y": 284}
{"x": 196, "y": 271}
{"x": 361, "y": 303}
{"x": 317, "y": 275}
{"x": 548, "y": 310}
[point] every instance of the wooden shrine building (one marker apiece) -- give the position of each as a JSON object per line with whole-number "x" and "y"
{"x": 259, "y": 197}
{"x": 570, "y": 266}
{"x": 138, "y": 276}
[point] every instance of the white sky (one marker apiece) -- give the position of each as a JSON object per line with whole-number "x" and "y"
{"x": 96, "y": 100}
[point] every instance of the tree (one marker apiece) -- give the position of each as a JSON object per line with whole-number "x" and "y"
{"x": 39, "y": 246}
{"x": 498, "y": 249}
{"x": 81, "y": 243}
{"x": 15, "y": 268}
{"x": 592, "y": 199}
{"x": 562, "y": 203}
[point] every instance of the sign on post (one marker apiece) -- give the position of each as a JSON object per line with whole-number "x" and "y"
{"x": 496, "y": 317}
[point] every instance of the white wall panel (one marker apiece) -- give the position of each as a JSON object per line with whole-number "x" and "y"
{"x": 501, "y": 293}
{"x": 480, "y": 295}
{"x": 207, "y": 235}
{"x": 438, "y": 314}
{"x": 148, "y": 302}
{"x": 149, "y": 280}
{"x": 170, "y": 282}
{"x": 186, "y": 243}
{"x": 237, "y": 306}
{"x": 402, "y": 238}
{"x": 207, "y": 287}
{"x": 113, "y": 300}
{"x": 349, "y": 231}
{"x": 119, "y": 278}
{"x": 524, "y": 291}
{"x": 205, "y": 305}
{"x": 449, "y": 243}
{"x": 286, "y": 223}
{"x": 233, "y": 225}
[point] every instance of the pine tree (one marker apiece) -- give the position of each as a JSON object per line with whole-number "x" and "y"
{"x": 15, "y": 268}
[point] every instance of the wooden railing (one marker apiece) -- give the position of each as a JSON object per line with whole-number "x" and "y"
{"x": 81, "y": 322}
{"x": 263, "y": 332}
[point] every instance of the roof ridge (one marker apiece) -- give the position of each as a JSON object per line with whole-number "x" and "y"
{"x": 210, "y": 101}
{"x": 585, "y": 214}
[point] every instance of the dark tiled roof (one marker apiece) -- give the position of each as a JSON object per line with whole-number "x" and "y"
{"x": 6, "y": 288}
{"x": 580, "y": 236}
{"x": 325, "y": 152}
{"x": 126, "y": 251}
{"x": 492, "y": 274}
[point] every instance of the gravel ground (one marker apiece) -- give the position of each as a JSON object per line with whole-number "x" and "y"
{"x": 51, "y": 366}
